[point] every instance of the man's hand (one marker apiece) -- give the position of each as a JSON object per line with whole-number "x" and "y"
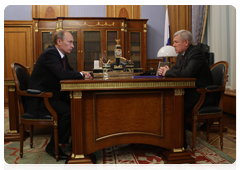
{"x": 87, "y": 75}
{"x": 162, "y": 70}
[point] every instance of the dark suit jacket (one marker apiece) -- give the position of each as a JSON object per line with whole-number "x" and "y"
{"x": 194, "y": 64}
{"x": 46, "y": 75}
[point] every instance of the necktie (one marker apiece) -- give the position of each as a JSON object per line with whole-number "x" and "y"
{"x": 63, "y": 61}
{"x": 181, "y": 58}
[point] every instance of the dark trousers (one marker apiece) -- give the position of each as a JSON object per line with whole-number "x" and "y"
{"x": 64, "y": 121}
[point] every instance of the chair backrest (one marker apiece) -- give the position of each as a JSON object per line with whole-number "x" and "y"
{"x": 219, "y": 72}
{"x": 21, "y": 76}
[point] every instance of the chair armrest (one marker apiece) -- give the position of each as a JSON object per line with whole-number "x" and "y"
{"x": 45, "y": 96}
{"x": 213, "y": 87}
{"x": 203, "y": 91}
{"x": 34, "y": 93}
{"x": 210, "y": 89}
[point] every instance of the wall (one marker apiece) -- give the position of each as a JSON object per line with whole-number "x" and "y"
{"x": 155, "y": 33}
{"x": 18, "y": 12}
{"x": 87, "y": 10}
{"x": 155, "y": 14}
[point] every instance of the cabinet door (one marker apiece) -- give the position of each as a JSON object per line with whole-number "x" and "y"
{"x": 73, "y": 56}
{"x": 47, "y": 39}
{"x": 44, "y": 38}
{"x": 135, "y": 48}
{"x": 91, "y": 48}
{"x": 111, "y": 37}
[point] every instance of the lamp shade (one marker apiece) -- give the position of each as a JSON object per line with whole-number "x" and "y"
{"x": 167, "y": 51}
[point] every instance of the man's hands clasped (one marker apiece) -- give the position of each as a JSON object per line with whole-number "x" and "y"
{"x": 162, "y": 70}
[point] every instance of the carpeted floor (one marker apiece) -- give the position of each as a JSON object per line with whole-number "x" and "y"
{"x": 120, "y": 154}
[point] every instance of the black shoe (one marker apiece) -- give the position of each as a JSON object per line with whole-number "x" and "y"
{"x": 51, "y": 151}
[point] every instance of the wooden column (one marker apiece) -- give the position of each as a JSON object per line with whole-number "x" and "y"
{"x": 77, "y": 155}
{"x": 13, "y": 133}
{"x": 178, "y": 155}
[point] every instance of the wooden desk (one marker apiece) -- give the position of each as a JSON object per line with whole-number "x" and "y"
{"x": 113, "y": 111}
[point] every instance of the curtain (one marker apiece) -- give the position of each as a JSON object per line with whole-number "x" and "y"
{"x": 221, "y": 37}
{"x": 199, "y": 16}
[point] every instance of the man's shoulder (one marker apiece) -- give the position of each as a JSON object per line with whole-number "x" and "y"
{"x": 51, "y": 49}
{"x": 194, "y": 50}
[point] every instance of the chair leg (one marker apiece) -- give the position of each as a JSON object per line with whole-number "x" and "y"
{"x": 207, "y": 134}
{"x": 56, "y": 142}
{"x": 31, "y": 136}
{"x": 21, "y": 139}
{"x": 194, "y": 131}
{"x": 221, "y": 132}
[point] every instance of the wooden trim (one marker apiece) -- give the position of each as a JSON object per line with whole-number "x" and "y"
{"x": 18, "y": 22}
{"x": 229, "y": 101}
{"x": 229, "y": 92}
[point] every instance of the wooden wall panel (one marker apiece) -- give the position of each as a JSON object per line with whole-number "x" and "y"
{"x": 49, "y": 11}
{"x": 126, "y": 11}
{"x": 18, "y": 47}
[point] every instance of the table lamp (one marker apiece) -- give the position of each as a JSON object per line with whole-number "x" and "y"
{"x": 166, "y": 52}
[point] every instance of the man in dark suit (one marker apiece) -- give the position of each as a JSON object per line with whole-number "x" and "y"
{"x": 51, "y": 67}
{"x": 191, "y": 62}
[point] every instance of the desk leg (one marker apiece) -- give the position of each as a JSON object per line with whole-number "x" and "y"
{"x": 13, "y": 134}
{"x": 178, "y": 154}
{"x": 77, "y": 156}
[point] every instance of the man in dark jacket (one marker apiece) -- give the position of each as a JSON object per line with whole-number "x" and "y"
{"x": 48, "y": 71}
{"x": 191, "y": 62}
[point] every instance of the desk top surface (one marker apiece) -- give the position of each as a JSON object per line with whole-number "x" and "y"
{"x": 129, "y": 79}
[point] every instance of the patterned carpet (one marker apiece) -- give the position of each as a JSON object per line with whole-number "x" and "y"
{"x": 120, "y": 154}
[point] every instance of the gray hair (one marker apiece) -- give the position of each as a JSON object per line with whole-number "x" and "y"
{"x": 58, "y": 35}
{"x": 184, "y": 35}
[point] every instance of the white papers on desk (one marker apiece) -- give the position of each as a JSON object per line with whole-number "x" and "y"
{"x": 96, "y": 64}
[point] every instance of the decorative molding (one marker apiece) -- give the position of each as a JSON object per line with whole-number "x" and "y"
{"x": 125, "y": 85}
{"x": 77, "y": 156}
{"x": 11, "y": 88}
{"x": 85, "y": 24}
{"x": 12, "y": 131}
{"x": 36, "y": 27}
{"x": 77, "y": 94}
{"x": 179, "y": 92}
{"x": 179, "y": 149}
{"x": 9, "y": 83}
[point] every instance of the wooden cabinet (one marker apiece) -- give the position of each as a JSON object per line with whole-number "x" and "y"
{"x": 94, "y": 38}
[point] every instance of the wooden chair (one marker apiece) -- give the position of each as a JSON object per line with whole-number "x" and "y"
{"x": 219, "y": 72}
{"x": 21, "y": 77}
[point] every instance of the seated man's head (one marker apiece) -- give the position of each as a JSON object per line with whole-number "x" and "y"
{"x": 182, "y": 40}
{"x": 63, "y": 40}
